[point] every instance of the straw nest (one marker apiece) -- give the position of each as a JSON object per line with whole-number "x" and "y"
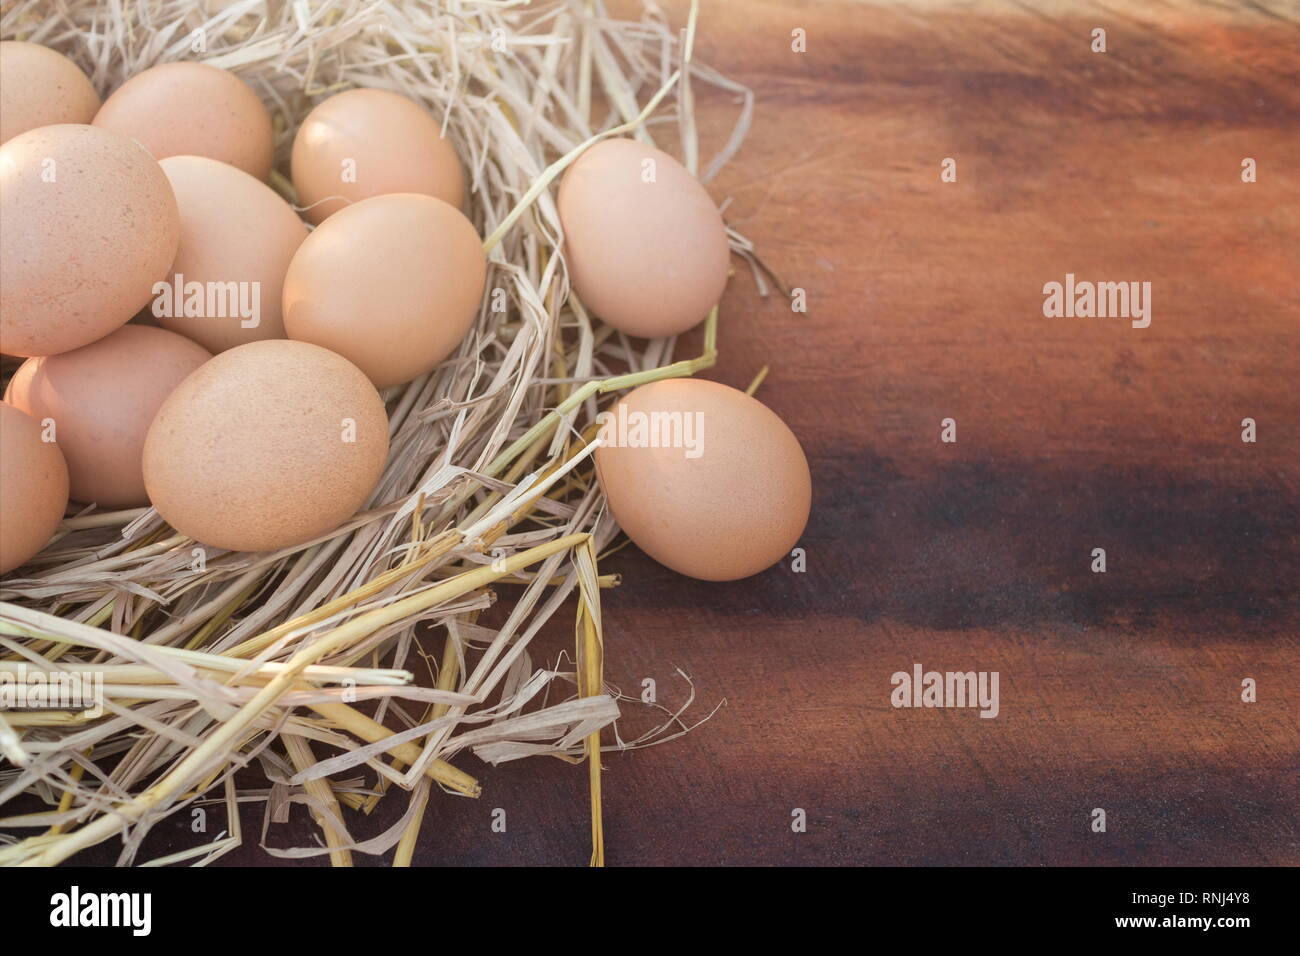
{"x": 302, "y": 663}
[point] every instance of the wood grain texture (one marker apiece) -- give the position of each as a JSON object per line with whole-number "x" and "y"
{"x": 1119, "y": 690}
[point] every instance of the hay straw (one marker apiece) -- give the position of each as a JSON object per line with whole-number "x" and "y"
{"x": 264, "y": 660}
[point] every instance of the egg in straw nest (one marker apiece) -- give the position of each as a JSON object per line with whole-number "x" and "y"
{"x": 301, "y": 509}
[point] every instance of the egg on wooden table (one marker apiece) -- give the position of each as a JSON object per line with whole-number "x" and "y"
{"x": 703, "y": 478}
{"x": 101, "y": 399}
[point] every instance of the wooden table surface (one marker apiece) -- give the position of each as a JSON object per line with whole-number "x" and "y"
{"x": 1120, "y": 690}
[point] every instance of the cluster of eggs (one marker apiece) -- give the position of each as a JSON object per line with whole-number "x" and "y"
{"x": 192, "y": 345}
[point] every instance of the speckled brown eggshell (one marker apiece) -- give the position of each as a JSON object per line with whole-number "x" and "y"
{"x": 234, "y": 228}
{"x": 645, "y": 245}
{"x": 89, "y": 225}
{"x": 730, "y": 512}
{"x": 41, "y": 87}
{"x": 250, "y": 453}
{"x": 102, "y": 398}
{"x": 392, "y": 283}
{"x": 363, "y": 143}
{"x": 33, "y": 487}
{"x": 192, "y": 109}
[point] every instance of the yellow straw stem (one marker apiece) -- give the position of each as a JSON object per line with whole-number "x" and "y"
{"x": 302, "y": 758}
{"x": 371, "y": 731}
{"x": 65, "y": 801}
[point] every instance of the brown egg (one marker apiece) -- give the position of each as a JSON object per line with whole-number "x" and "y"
{"x": 102, "y": 398}
{"x": 366, "y": 143}
{"x": 391, "y": 283}
{"x": 266, "y": 446}
{"x": 192, "y": 109}
{"x": 33, "y": 487}
{"x": 703, "y": 478}
{"x": 234, "y": 229}
{"x": 645, "y": 245}
{"x": 39, "y": 87}
{"x": 90, "y": 224}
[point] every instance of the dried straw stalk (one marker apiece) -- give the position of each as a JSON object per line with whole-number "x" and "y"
{"x": 244, "y": 660}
